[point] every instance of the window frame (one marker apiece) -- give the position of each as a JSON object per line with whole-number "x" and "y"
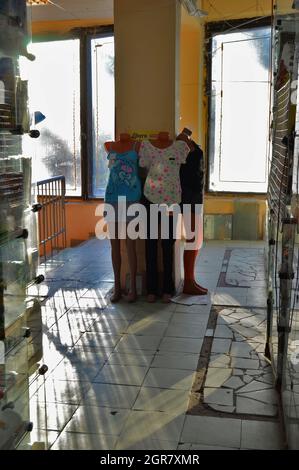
{"x": 89, "y": 106}
{"x": 212, "y": 29}
{"x": 84, "y": 35}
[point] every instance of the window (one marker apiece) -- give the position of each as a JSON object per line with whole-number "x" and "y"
{"x": 103, "y": 109}
{"x": 56, "y": 78}
{"x": 239, "y": 111}
{"x": 54, "y": 90}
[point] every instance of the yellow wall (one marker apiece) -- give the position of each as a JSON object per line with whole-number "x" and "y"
{"x": 190, "y": 77}
{"x": 226, "y": 205}
{"x": 192, "y": 54}
{"x": 193, "y": 103}
{"x": 235, "y": 9}
{"x": 62, "y": 27}
{"x": 146, "y": 44}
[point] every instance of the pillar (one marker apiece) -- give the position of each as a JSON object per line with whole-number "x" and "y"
{"x": 147, "y": 34}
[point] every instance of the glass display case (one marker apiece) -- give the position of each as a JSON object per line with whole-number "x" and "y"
{"x": 18, "y": 227}
{"x": 283, "y": 306}
{"x": 290, "y": 384}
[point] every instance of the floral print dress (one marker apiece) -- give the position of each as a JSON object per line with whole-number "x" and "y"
{"x": 162, "y": 185}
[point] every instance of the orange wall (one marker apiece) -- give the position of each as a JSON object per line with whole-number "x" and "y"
{"x": 80, "y": 221}
{"x": 44, "y": 27}
{"x": 190, "y": 80}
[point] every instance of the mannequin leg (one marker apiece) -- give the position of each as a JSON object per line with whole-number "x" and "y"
{"x": 132, "y": 258}
{"x": 190, "y": 285}
{"x": 116, "y": 262}
{"x": 151, "y": 247}
{"x": 167, "y": 253}
{"x": 168, "y": 284}
{"x": 151, "y": 260}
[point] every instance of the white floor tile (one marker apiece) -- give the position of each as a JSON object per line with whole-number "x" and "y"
{"x": 219, "y": 361}
{"x": 221, "y": 346}
{"x": 212, "y": 431}
{"x": 169, "y": 378}
{"x": 109, "y": 325}
{"x": 114, "y": 396}
{"x": 146, "y": 355}
{"x": 147, "y": 328}
{"x": 122, "y": 375}
{"x": 217, "y": 376}
{"x": 218, "y": 396}
{"x": 202, "y": 447}
{"x": 135, "y": 358}
{"x": 186, "y": 318}
{"x": 118, "y": 314}
{"x": 185, "y": 345}
{"x": 176, "y": 361}
{"x": 198, "y": 309}
{"x": 222, "y": 331}
{"x": 154, "y": 314}
{"x": 51, "y": 416}
{"x": 261, "y": 435}
{"x": 160, "y": 399}
{"x": 61, "y": 391}
{"x": 38, "y": 439}
{"x": 133, "y": 342}
{"x": 255, "y": 407}
{"x": 189, "y": 330}
{"x": 144, "y": 425}
{"x": 227, "y": 299}
{"x": 95, "y": 340}
{"x": 98, "y": 420}
{"x": 77, "y": 441}
{"x": 76, "y": 372}
{"x": 147, "y": 444}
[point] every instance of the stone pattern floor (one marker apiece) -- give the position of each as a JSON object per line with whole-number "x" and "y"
{"x": 239, "y": 379}
{"x": 121, "y": 376}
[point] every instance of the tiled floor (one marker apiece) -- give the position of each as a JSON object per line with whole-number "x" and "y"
{"x": 239, "y": 379}
{"x": 122, "y": 376}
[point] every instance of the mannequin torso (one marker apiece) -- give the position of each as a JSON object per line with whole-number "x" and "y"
{"x": 123, "y": 178}
{"x": 182, "y": 136}
{"x": 192, "y": 173}
{"x": 163, "y": 141}
{"x": 124, "y": 144}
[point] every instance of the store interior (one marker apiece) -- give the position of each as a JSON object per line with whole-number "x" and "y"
{"x": 217, "y": 371}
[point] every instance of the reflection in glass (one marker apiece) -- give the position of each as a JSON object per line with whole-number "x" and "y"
{"x": 240, "y": 105}
{"x": 103, "y": 109}
{"x": 54, "y": 90}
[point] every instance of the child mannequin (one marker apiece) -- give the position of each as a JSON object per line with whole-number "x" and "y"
{"x": 123, "y": 166}
{"x": 191, "y": 176}
{"x": 162, "y": 158}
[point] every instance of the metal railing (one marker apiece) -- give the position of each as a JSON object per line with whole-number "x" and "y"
{"x": 52, "y": 220}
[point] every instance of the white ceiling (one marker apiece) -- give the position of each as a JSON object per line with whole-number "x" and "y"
{"x": 60, "y": 10}
{"x": 73, "y": 9}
